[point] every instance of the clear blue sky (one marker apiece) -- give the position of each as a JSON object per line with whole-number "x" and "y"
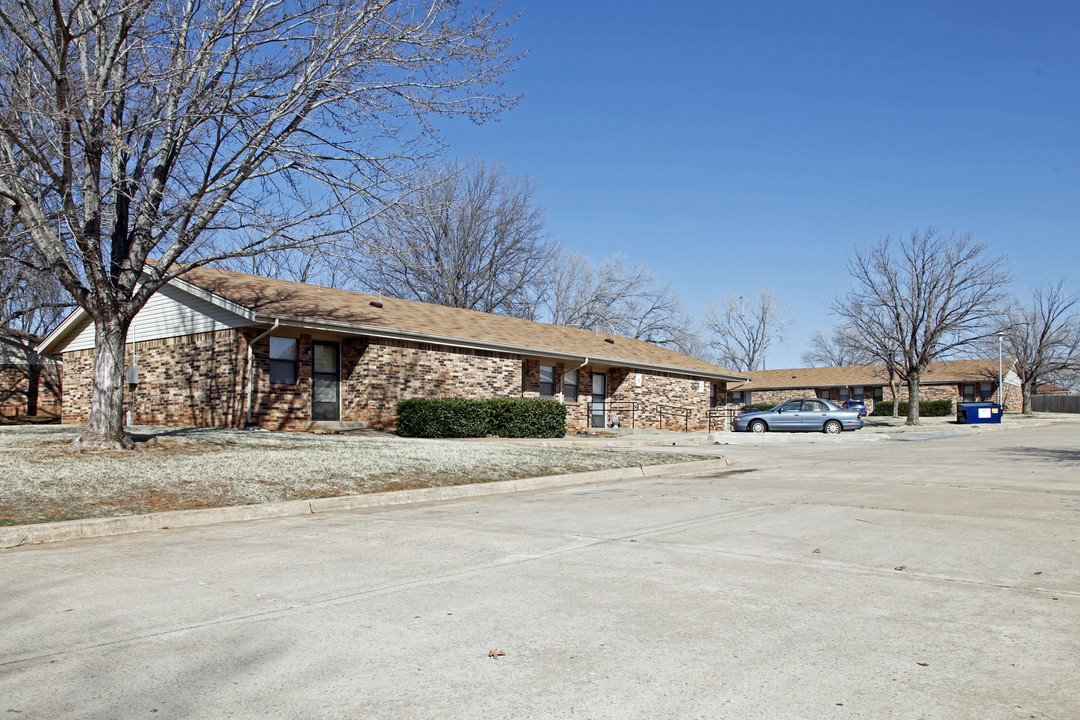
{"x": 730, "y": 145}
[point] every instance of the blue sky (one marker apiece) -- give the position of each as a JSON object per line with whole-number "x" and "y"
{"x": 731, "y": 145}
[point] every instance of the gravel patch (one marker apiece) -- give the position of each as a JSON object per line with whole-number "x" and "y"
{"x": 188, "y": 468}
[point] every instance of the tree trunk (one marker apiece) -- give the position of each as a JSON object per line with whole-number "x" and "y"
{"x": 106, "y": 428}
{"x": 913, "y": 402}
{"x": 895, "y": 387}
{"x": 1026, "y": 389}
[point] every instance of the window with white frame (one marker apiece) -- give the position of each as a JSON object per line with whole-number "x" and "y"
{"x": 569, "y": 386}
{"x": 547, "y": 381}
{"x": 879, "y": 394}
{"x": 844, "y": 394}
{"x": 284, "y": 355}
{"x": 969, "y": 393}
{"x": 986, "y": 391}
{"x": 857, "y": 393}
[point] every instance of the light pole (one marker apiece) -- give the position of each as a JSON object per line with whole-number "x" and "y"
{"x": 1001, "y": 390}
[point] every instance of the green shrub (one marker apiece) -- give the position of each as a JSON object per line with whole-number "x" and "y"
{"x": 526, "y": 417}
{"x": 760, "y": 406}
{"x": 927, "y": 408}
{"x": 441, "y": 418}
{"x": 458, "y": 417}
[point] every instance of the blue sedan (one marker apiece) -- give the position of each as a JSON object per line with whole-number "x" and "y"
{"x": 803, "y": 414}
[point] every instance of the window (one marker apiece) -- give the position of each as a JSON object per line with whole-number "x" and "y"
{"x": 569, "y": 386}
{"x": 858, "y": 393}
{"x": 986, "y": 391}
{"x": 969, "y": 393}
{"x": 825, "y": 393}
{"x": 879, "y": 394}
{"x": 547, "y": 381}
{"x": 740, "y": 397}
{"x": 283, "y": 358}
{"x": 845, "y": 394}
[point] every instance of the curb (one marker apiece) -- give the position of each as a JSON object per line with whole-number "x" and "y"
{"x": 13, "y": 536}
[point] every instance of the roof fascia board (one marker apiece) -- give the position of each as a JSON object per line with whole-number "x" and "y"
{"x": 71, "y": 322}
{"x": 450, "y": 341}
{"x": 191, "y": 289}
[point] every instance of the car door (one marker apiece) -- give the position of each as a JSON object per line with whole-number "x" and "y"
{"x": 814, "y": 414}
{"x": 787, "y": 416}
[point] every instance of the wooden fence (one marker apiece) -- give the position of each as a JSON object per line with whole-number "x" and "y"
{"x": 1056, "y": 403}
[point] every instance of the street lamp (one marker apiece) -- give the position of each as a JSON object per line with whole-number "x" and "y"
{"x": 1001, "y": 390}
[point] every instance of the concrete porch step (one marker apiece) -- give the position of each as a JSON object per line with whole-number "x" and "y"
{"x": 334, "y": 427}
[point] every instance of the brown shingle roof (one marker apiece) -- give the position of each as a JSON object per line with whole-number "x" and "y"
{"x": 944, "y": 371}
{"x": 354, "y": 312}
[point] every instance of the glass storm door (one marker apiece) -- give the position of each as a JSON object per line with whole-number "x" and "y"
{"x": 599, "y": 395}
{"x": 325, "y": 381}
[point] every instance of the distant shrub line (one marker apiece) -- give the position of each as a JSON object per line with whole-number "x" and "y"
{"x": 461, "y": 418}
{"x": 927, "y": 408}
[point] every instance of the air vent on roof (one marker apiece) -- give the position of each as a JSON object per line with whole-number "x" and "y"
{"x": 375, "y": 303}
{"x": 609, "y": 340}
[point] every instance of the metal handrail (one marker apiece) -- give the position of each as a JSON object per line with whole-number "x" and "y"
{"x": 675, "y": 410}
{"x": 724, "y": 415}
{"x": 616, "y": 406}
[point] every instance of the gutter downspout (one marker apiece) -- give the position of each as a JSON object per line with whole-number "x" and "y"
{"x": 251, "y": 368}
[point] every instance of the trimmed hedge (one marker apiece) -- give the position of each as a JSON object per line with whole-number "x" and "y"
{"x": 927, "y": 408}
{"x": 760, "y": 406}
{"x": 503, "y": 417}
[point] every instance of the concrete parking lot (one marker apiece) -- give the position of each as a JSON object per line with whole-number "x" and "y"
{"x": 902, "y": 579}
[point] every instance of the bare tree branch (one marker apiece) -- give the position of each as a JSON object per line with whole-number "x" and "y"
{"x": 743, "y": 329}
{"x": 473, "y": 236}
{"x": 616, "y": 298}
{"x": 841, "y": 347}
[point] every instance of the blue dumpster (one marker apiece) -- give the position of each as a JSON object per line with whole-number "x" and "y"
{"x": 970, "y": 413}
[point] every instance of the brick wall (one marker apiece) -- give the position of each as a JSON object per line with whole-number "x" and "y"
{"x": 201, "y": 380}
{"x": 188, "y": 380}
{"x": 31, "y": 389}
{"x": 377, "y": 373}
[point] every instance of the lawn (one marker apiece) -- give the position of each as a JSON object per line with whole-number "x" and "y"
{"x": 187, "y": 468}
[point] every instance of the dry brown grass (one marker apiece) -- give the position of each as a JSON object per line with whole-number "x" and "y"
{"x": 186, "y": 468}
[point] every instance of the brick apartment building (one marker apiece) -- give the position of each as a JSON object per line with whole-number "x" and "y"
{"x": 221, "y": 348}
{"x": 955, "y": 380}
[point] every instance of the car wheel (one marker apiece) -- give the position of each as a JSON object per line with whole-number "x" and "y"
{"x": 758, "y": 426}
{"x": 833, "y": 427}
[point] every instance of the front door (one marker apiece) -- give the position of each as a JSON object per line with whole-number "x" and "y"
{"x": 599, "y": 396}
{"x": 325, "y": 381}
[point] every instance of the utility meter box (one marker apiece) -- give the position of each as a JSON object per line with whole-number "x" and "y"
{"x": 132, "y": 375}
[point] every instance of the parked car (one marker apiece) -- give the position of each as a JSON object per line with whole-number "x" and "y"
{"x": 802, "y": 414}
{"x": 855, "y": 405}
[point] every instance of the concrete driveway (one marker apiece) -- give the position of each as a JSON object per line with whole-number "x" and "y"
{"x": 932, "y": 579}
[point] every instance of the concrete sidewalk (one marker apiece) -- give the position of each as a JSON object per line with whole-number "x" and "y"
{"x": 905, "y": 580}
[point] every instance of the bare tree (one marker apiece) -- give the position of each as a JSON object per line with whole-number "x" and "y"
{"x": 473, "y": 236}
{"x": 197, "y": 131}
{"x": 617, "y": 298}
{"x": 842, "y": 346}
{"x": 1043, "y": 336}
{"x": 31, "y": 298}
{"x": 920, "y": 300}
{"x": 743, "y": 329}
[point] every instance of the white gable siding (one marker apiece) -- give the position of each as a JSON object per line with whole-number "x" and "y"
{"x": 169, "y": 313}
